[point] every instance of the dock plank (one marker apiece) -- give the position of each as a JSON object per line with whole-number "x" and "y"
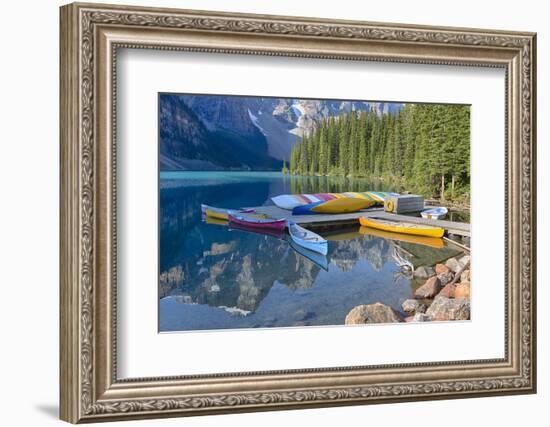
{"x": 331, "y": 220}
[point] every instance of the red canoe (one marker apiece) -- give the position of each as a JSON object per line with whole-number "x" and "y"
{"x": 271, "y": 224}
{"x": 278, "y": 234}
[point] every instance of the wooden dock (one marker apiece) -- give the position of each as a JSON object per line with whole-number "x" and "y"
{"x": 337, "y": 220}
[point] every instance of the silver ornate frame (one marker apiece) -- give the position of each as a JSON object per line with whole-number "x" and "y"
{"x": 90, "y": 36}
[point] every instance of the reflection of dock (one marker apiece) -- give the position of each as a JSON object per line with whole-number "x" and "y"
{"x": 335, "y": 220}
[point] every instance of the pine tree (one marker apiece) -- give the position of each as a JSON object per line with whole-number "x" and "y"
{"x": 362, "y": 136}
{"x": 343, "y": 146}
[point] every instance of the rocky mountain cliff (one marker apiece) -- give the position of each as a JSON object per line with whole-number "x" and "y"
{"x": 241, "y": 132}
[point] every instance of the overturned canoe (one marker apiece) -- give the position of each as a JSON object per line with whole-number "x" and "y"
{"x": 400, "y": 227}
{"x": 290, "y": 201}
{"x": 306, "y": 209}
{"x": 335, "y": 206}
{"x": 343, "y": 205}
{"x": 307, "y": 239}
{"x": 248, "y": 221}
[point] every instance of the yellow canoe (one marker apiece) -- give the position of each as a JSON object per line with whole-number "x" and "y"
{"x": 432, "y": 242}
{"x": 400, "y": 227}
{"x": 343, "y": 205}
{"x": 218, "y": 213}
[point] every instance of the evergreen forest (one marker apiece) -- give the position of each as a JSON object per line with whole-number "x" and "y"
{"x": 424, "y": 147}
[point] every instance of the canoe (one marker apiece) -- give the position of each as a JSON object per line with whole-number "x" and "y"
{"x": 276, "y": 233}
{"x": 432, "y": 242}
{"x": 434, "y": 213}
{"x": 307, "y": 239}
{"x": 216, "y": 213}
{"x": 290, "y": 201}
{"x": 216, "y": 221}
{"x": 248, "y": 221}
{"x": 343, "y": 205}
{"x": 306, "y": 209}
{"x": 400, "y": 227}
{"x": 316, "y": 258}
{"x": 221, "y": 213}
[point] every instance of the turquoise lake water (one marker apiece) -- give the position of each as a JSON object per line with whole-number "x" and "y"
{"x": 216, "y": 277}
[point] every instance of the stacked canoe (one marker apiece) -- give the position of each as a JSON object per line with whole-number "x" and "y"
{"x": 291, "y": 201}
{"x": 335, "y": 206}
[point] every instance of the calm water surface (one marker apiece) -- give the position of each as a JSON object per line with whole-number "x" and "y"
{"x": 216, "y": 277}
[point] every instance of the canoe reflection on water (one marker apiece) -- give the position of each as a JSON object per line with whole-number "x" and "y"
{"x": 399, "y": 254}
{"x": 317, "y": 258}
{"x": 275, "y": 233}
{"x": 222, "y": 271}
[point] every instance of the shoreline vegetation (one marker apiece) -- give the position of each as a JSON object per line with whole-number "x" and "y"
{"x": 424, "y": 148}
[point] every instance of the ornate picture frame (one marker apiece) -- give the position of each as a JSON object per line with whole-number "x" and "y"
{"x": 90, "y": 37}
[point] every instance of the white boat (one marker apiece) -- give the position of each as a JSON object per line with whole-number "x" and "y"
{"x": 307, "y": 239}
{"x": 434, "y": 213}
{"x": 316, "y": 258}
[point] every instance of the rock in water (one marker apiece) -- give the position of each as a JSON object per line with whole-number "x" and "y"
{"x": 429, "y": 289}
{"x": 372, "y": 313}
{"x": 423, "y": 272}
{"x": 444, "y": 308}
{"x": 462, "y": 290}
{"x": 441, "y": 269}
{"x": 413, "y": 306}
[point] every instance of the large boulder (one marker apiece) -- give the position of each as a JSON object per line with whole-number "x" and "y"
{"x": 441, "y": 269}
{"x": 448, "y": 291}
{"x": 456, "y": 265}
{"x": 411, "y": 306}
{"x": 465, "y": 276}
{"x": 429, "y": 289}
{"x": 424, "y": 272}
{"x": 464, "y": 260}
{"x": 462, "y": 290}
{"x": 444, "y": 308}
{"x": 445, "y": 278}
{"x": 421, "y": 317}
{"x": 453, "y": 265}
{"x": 372, "y": 313}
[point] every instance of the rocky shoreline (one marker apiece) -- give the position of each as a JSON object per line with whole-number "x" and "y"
{"x": 444, "y": 296}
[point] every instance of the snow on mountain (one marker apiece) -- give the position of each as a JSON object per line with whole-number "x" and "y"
{"x": 255, "y": 121}
{"x": 245, "y": 128}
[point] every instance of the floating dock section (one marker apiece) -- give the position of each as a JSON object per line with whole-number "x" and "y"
{"x": 335, "y": 220}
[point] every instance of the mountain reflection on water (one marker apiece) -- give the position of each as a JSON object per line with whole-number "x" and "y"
{"x": 216, "y": 277}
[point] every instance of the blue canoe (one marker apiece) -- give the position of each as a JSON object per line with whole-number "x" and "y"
{"x": 306, "y": 209}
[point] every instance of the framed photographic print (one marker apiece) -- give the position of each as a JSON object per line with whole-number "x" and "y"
{"x": 266, "y": 212}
